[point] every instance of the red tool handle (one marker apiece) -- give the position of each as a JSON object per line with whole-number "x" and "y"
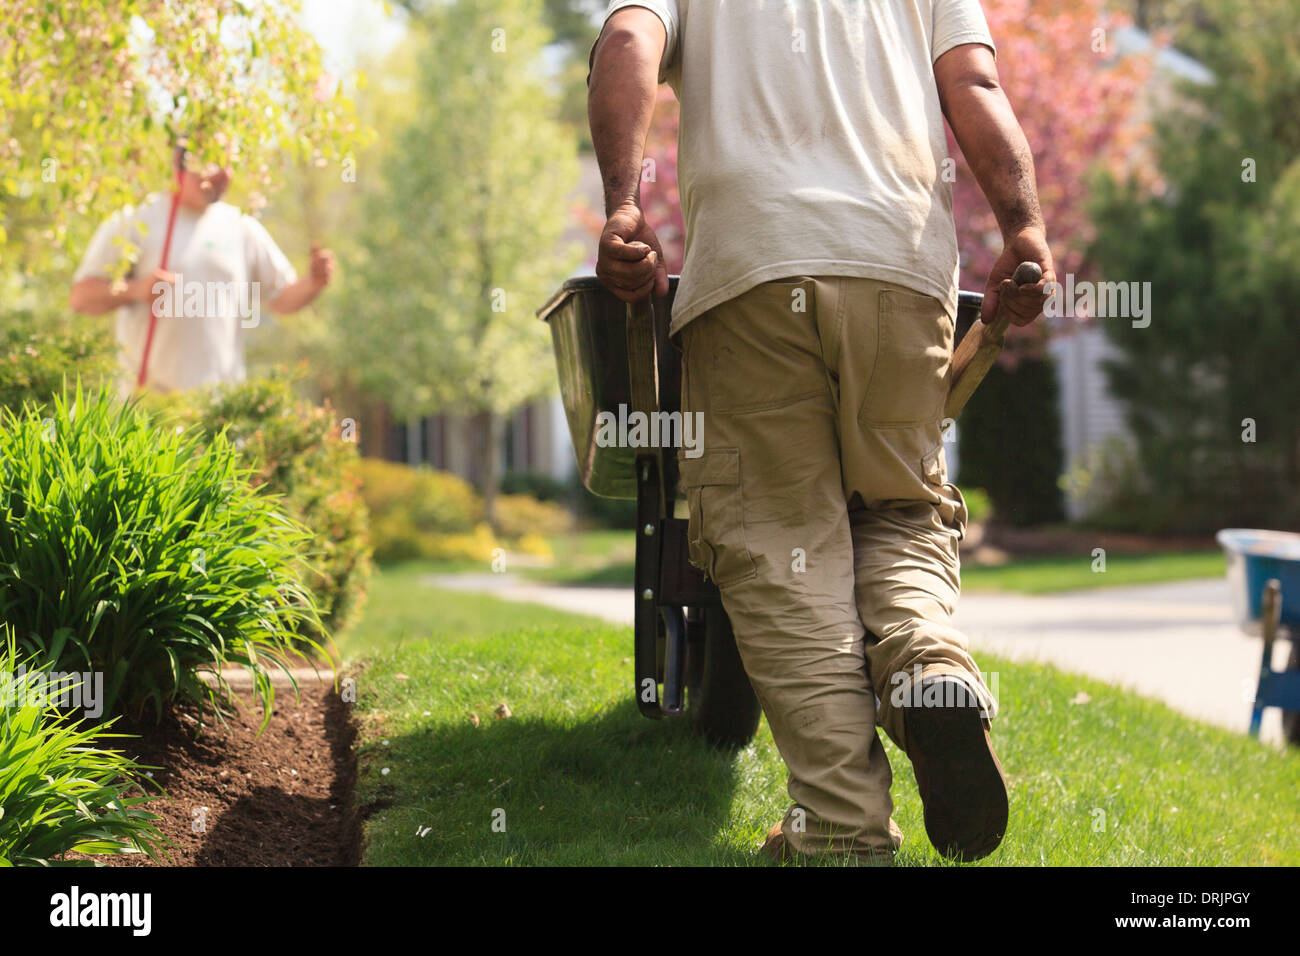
{"x": 162, "y": 264}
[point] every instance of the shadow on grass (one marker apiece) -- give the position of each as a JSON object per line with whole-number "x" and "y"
{"x": 613, "y": 788}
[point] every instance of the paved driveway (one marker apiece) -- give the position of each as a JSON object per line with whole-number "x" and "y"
{"x": 1176, "y": 642}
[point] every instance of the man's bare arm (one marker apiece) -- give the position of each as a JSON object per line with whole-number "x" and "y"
{"x": 296, "y": 297}
{"x": 621, "y": 99}
{"x": 302, "y": 293}
{"x": 998, "y": 154}
{"x": 96, "y": 296}
{"x": 620, "y": 105}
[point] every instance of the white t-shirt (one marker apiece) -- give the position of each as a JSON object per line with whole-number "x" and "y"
{"x": 811, "y": 141}
{"x": 228, "y": 270}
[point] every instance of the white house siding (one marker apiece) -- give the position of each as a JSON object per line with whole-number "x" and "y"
{"x": 1090, "y": 416}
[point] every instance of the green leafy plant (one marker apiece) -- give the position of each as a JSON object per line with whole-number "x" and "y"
{"x": 296, "y": 451}
{"x": 60, "y": 790}
{"x": 143, "y": 553}
{"x": 1210, "y": 226}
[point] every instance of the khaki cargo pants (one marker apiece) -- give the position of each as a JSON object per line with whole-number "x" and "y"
{"x": 821, "y": 508}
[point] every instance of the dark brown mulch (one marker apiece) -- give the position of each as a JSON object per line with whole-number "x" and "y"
{"x": 284, "y": 798}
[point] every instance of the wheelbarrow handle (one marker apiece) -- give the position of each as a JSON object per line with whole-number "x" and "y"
{"x": 980, "y": 347}
{"x": 642, "y": 357}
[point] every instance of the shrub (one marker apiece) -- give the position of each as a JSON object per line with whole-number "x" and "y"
{"x": 296, "y": 452}
{"x": 478, "y": 545}
{"x": 519, "y": 515}
{"x": 593, "y": 510}
{"x": 34, "y": 365}
{"x": 60, "y": 791}
{"x": 144, "y": 554}
{"x": 537, "y": 485}
{"x": 408, "y": 506}
{"x": 398, "y": 541}
{"x": 535, "y": 545}
{"x": 432, "y": 515}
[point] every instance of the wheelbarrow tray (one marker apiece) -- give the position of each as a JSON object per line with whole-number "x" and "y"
{"x": 589, "y": 334}
{"x": 588, "y": 326}
{"x": 1254, "y": 558}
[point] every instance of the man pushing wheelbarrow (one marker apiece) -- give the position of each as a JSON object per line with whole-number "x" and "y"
{"x": 816, "y": 317}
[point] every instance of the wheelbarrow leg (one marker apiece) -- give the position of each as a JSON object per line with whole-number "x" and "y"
{"x": 654, "y": 615}
{"x": 1270, "y": 616}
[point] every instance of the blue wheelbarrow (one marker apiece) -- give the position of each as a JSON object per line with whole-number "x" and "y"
{"x": 1264, "y": 577}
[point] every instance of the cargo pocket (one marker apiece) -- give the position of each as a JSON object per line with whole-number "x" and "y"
{"x": 715, "y": 532}
{"x": 952, "y": 503}
{"x": 909, "y": 376}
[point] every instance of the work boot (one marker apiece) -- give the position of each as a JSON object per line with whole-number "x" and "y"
{"x": 962, "y": 786}
{"x": 778, "y": 849}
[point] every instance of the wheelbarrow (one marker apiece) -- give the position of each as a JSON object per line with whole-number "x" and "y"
{"x": 1264, "y": 577}
{"x": 615, "y": 359}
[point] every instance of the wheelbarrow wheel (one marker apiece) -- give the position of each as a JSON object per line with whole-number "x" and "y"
{"x": 1291, "y": 718}
{"x": 720, "y": 701}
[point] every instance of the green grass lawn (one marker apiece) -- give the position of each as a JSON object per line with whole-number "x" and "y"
{"x": 606, "y": 558}
{"x": 402, "y": 609}
{"x": 589, "y": 558}
{"x": 580, "y": 557}
{"x": 1074, "y": 572}
{"x": 582, "y": 779}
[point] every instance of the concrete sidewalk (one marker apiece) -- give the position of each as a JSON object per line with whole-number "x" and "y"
{"x": 1175, "y": 642}
{"x": 613, "y": 604}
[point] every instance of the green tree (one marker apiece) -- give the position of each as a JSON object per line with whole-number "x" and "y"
{"x": 96, "y": 91}
{"x": 1011, "y": 443}
{"x": 1210, "y": 386}
{"x": 324, "y": 204}
{"x": 462, "y": 241}
{"x": 574, "y": 25}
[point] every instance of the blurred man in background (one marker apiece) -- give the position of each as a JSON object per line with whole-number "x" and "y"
{"x": 223, "y": 267}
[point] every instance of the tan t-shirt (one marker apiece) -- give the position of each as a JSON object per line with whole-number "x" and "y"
{"x": 229, "y": 269}
{"x": 811, "y": 141}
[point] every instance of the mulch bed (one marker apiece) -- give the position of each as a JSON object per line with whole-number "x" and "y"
{"x": 284, "y": 798}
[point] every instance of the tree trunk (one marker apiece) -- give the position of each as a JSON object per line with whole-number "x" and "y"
{"x": 487, "y": 432}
